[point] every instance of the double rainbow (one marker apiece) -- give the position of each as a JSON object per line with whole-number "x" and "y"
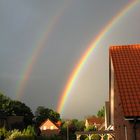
{"x": 41, "y": 44}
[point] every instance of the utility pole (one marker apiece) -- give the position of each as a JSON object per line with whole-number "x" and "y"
{"x": 67, "y": 130}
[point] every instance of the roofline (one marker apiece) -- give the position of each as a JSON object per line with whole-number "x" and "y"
{"x": 109, "y": 73}
{"x": 48, "y": 120}
{"x": 131, "y": 118}
{"x": 109, "y": 115}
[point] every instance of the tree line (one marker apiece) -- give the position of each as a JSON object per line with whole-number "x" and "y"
{"x": 9, "y": 107}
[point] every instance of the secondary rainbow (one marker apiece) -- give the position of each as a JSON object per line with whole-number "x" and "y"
{"x": 36, "y": 51}
{"x": 88, "y": 52}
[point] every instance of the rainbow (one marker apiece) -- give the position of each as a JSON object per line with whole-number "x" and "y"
{"x": 26, "y": 72}
{"x": 88, "y": 52}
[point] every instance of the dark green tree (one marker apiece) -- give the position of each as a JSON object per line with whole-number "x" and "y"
{"x": 71, "y": 126}
{"x": 17, "y": 108}
{"x": 78, "y": 125}
{"x": 4, "y": 104}
{"x": 42, "y": 113}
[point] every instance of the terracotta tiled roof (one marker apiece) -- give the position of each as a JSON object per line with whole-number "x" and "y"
{"x": 126, "y": 63}
{"x": 58, "y": 124}
{"x": 95, "y": 120}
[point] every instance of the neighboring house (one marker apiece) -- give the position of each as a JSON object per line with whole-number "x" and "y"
{"x": 15, "y": 122}
{"x": 3, "y": 119}
{"x": 49, "y": 128}
{"x": 11, "y": 122}
{"x": 94, "y": 121}
{"x": 124, "y": 95}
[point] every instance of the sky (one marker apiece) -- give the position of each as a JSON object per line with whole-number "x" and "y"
{"x": 45, "y": 40}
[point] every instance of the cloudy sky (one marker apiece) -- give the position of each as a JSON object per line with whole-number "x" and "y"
{"x": 41, "y": 42}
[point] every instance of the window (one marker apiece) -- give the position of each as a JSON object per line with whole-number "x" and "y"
{"x": 51, "y": 127}
{"x": 44, "y": 128}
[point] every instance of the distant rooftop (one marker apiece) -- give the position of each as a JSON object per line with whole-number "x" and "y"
{"x": 126, "y": 63}
{"x": 97, "y": 120}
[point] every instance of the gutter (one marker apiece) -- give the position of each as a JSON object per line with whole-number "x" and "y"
{"x": 131, "y": 119}
{"x": 134, "y": 128}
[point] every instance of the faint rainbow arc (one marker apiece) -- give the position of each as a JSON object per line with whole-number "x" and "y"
{"x": 22, "y": 83}
{"x": 88, "y": 52}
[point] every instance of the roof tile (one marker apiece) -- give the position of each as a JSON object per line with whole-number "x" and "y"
{"x": 97, "y": 120}
{"x": 126, "y": 63}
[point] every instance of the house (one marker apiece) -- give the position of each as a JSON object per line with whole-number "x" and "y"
{"x": 3, "y": 119}
{"x": 11, "y": 122}
{"x": 49, "y": 128}
{"x": 99, "y": 124}
{"x": 124, "y": 92}
{"x": 15, "y": 122}
{"x": 94, "y": 121}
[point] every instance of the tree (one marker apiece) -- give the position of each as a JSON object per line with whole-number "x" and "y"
{"x": 4, "y": 104}
{"x": 71, "y": 126}
{"x": 17, "y": 108}
{"x": 77, "y": 125}
{"x": 101, "y": 112}
{"x": 42, "y": 113}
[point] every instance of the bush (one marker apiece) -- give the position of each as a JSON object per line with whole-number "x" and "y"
{"x": 94, "y": 137}
{"x": 106, "y": 137}
{"x": 91, "y": 128}
{"x": 54, "y": 138}
{"x": 83, "y": 137}
{"x": 25, "y": 138}
{"x": 4, "y": 133}
{"x": 14, "y": 134}
{"x": 26, "y": 134}
{"x": 29, "y": 131}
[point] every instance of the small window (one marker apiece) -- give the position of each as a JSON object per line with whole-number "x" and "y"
{"x": 52, "y": 127}
{"x": 44, "y": 128}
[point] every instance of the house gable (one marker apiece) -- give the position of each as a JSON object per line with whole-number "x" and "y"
{"x": 94, "y": 121}
{"x": 48, "y": 125}
{"x": 125, "y": 86}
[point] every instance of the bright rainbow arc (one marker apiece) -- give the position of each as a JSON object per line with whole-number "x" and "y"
{"x": 88, "y": 52}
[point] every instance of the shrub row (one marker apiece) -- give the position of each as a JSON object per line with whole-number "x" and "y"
{"x": 26, "y": 134}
